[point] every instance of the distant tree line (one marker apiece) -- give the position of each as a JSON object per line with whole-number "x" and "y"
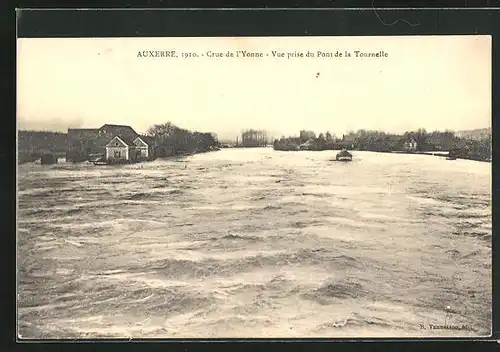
{"x": 168, "y": 139}
{"x": 477, "y": 149}
{"x": 254, "y": 138}
{"x": 324, "y": 141}
{"x": 31, "y": 145}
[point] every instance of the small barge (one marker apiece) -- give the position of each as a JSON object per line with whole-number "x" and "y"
{"x": 343, "y": 155}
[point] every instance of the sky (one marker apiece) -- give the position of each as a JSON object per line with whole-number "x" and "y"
{"x": 431, "y": 82}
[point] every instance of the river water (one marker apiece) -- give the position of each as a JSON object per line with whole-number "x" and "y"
{"x": 256, "y": 243}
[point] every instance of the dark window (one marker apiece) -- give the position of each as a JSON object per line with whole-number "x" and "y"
{"x": 117, "y": 154}
{"x": 116, "y": 144}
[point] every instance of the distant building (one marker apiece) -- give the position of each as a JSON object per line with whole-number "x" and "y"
{"x": 410, "y": 145}
{"x": 121, "y": 130}
{"x": 120, "y": 149}
{"x": 307, "y": 145}
{"x": 87, "y": 142}
{"x": 141, "y": 148}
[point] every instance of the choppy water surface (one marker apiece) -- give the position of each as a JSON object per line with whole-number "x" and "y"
{"x": 255, "y": 243}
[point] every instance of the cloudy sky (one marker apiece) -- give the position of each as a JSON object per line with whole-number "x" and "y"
{"x": 438, "y": 82}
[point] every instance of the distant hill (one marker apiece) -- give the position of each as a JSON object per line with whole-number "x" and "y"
{"x": 474, "y": 134}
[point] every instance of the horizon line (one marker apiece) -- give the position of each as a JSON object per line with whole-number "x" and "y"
{"x": 262, "y": 129}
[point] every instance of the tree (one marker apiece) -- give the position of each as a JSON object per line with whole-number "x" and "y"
{"x": 163, "y": 129}
{"x": 306, "y": 135}
{"x": 254, "y": 138}
{"x": 321, "y": 142}
{"x": 170, "y": 139}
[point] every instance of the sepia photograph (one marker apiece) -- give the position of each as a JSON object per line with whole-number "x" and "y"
{"x": 254, "y": 187}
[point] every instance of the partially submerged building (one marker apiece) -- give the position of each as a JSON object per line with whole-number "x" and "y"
{"x": 410, "y": 145}
{"x": 308, "y": 145}
{"x": 122, "y": 149}
{"x": 89, "y": 143}
{"x": 142, "y": 147}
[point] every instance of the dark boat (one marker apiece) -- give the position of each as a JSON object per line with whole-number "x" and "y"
{"x": 343, "y": 155}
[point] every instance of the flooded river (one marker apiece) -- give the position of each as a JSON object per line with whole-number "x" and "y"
{"x": 256, "y": 243}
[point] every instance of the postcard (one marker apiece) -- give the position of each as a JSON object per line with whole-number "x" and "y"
{"x": 254, "y": 187}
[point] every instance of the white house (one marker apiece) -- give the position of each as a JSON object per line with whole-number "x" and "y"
{"x": 120, "y": 149}
{"x": 141, "y": 148}
{"x": 307, "y": 145}
{"x": 410, "y": 145}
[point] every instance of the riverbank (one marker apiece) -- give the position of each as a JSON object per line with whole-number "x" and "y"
{"x": 445, "y": 154}
{"x": 61, "y": 157}
{"x": 441, "y": 154}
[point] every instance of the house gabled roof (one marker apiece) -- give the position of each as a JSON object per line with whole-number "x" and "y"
{"x": 122, "y": 140}
{"x": 308, "y": 143}
{"x": 107, "y": 125}
{"x": 121, "y": 128}
{"x": 141, "y": 141}
{"x": 148, "y": 139}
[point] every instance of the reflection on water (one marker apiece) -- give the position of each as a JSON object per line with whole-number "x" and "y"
{"x": 255, "y": 243}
